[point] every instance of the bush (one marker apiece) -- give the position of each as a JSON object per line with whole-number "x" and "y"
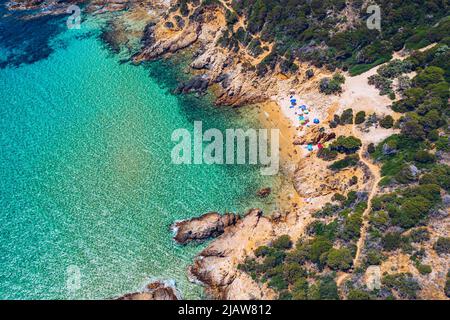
{"x": 403, "y": 283}
{"x": 278, "y": 283}
{"x": 328, "y": 289}
{"x": 346, "y": 117}
{"x": 319, "y": 246}
{"x": 422, "y": 156}
{"x": 348, "y": 161}
{"x": 293, "y": 271}
{"x": 327, "y": 154}
{"x": 300, "y": 289}
{"x": 419, "y": 235}
{"x": 262, "y": 251}
{"x": 345, "y": 144}
{"x": 371, "y": 148}
{"x": 357, "y": 294}
{"x": 333, "y": 85}
{"x": 392, "y": 241}
{"x": 412, "y": 211}
{"x": 387, "y": 122}
{"x": 360, "y": 117}
{"x": 283, "y": 242}
{"x": 339, "y": 259}
{"x": 442, "y": 245}
{"x": 424, "y": 269}
{"x": 273, "y": 259}
{"x": 374, "y": 257}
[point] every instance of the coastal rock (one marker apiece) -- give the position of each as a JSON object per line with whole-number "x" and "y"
{"x": 206, "y": 226}
{"x": 157, "y": 290}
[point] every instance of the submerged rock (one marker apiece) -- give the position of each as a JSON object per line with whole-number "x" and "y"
{"x": 264, "y": 192}
{"x": 209, "y": 225}
{"x": 198, "y": 84}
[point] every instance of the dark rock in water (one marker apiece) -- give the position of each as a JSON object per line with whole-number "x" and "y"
{"x": 264, "y": 192}
{"x": 198, "y": 84}
{"x": 158, "y": 290}
{"x": 209, "y": 225}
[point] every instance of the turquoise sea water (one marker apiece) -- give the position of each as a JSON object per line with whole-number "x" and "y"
{"x": 85, "y": 173}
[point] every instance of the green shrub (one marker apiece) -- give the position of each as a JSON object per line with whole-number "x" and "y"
{"x": 387, "y": 122}
{"x": 374, "y": 257}
{"x": 262, "y": 251}
{"x": 348, "y": 161}
{"x": 333, "y": 85}
{"x": 360, "y": 117}
{"x": 403, "y": 283}
{"x": 339, "y": 259}
{"x": 278, "y": 283}
{"x": 346, "y": 117}
{"x": 442, "y": 245}
{"x": 392, "y": 241}
{"x": 328, "y": 289}
{"x": 345, "y": 144}
{"x": 424, "y": 269}
{"x": 327, "y": 154}
{"x": 419, "y": 235}
{"x": 319, "y": 246}
{"x": 283, "y": 242}
{"x": 357, "y": 294}
{"x": 300, "y": 289}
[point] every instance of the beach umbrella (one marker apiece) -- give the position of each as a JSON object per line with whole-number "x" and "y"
{"x": 316, "y": 121}
{"x": 310, "y": 147}
{"x": 293, "y": 101}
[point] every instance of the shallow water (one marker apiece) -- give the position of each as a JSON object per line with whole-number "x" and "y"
{"x": 86, "y": 180}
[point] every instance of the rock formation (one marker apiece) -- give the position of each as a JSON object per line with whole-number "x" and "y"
{"x": 209, "y": 225}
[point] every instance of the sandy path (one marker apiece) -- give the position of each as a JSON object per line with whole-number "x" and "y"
{"x": 375, "y": 171}
{"x": 376, "y": 177}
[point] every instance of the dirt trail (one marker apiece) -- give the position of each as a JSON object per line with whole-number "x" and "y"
{"x": 375, "y": 172}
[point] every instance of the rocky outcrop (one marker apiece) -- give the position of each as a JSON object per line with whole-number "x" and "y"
{"x": 216, "y": 266}
{"x": 158, "y": 47}
{"x": 209, "y": 225}
{"x": 315, "y": 135}
{"x": 158, "y": 290}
